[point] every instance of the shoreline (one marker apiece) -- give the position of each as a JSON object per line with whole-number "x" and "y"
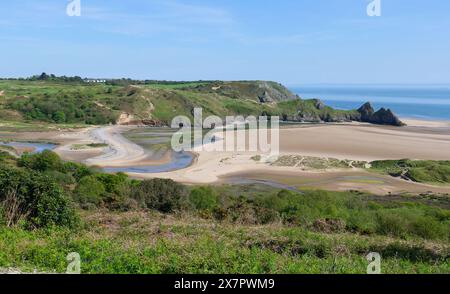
{"x": 351, "y": 141}
{"x": 433, "y": 123}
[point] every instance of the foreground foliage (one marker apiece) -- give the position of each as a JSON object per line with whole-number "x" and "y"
{"x": 138, "y": 242}
{"x": 159, "y": 226}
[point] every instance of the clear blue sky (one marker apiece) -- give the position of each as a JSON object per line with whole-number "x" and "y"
{"x": 290, "y": 41}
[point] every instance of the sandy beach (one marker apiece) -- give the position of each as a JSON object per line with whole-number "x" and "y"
{"x": 346, "y": 141}
{"x": 360, "y": 142}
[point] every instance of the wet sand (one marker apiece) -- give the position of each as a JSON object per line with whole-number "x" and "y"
{"x": 366, "y": 142}
{"x": 419, "y": 140}
{"x": 346, "y": 141}
{"x": 357, "y": 179}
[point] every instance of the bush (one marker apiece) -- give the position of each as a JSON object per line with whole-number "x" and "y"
{"x": 89, "y": 191}
{"x": 33, "y": 198}
{"x": 391, "y": 223}
{"x": 63, "y": 179}
{"x": 204, "y": 198}
{"x": 47, "y": 160}
{"x": 78, "y": 170}
{"x": 117, "y": 191}
{"x": 362, "y": 221}
{"x": 160, "y": 194}
{"x": 428, "y": 228}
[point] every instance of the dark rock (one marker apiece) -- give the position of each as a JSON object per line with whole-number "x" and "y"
{"x": 381, "y": 117}
{"x": 319, "y": 104}
{"x": 366, "y": 111}
{"x": 386, "y": 117}
{"x": 265, "y": 97}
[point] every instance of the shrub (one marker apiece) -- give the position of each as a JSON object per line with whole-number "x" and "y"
{"x": 117, "y": 191}
{"x": 89, "y": 191}
{"x": 391, "y": 223}
{"x": 362, "y": 221}
{"x": 34, "y": 198}
{"x": 114, "y": 183}
{"x": 63, "y": 179}
{"x": 428, "y": 228}
{"x": 48, "y": 205}
{"x": 160, "y": 194}
{"x": 204, "y": 198}
{"x": 78, "y": 170}
{"x": 47, "y": 160}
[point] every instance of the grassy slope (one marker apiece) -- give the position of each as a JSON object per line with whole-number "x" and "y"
{"x": 136, "y": 242}
{"x": 422, "y": 171}
{"x": 59, "y": 102}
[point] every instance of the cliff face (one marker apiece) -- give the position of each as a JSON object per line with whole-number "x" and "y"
{"x": 381, "y": 117}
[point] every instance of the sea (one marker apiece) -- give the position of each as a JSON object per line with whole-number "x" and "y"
{"x": 426, "y": 102}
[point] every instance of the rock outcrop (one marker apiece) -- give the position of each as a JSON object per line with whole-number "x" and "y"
{"x": 381, "y": 117}
{"x": 319, "y": 104}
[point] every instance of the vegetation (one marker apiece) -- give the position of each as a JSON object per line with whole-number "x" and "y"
{"x": 33, "y": 200}
{"x": 140, "y": 243}
{"x": 71, "y": 100}
{"x": 118, "y": 225}
{"x": 422, "y": 171}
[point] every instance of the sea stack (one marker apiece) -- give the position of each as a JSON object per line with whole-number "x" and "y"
{"x": 381, "y": 117}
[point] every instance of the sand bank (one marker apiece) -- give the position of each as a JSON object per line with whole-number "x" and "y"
{"x": 342, "y": 141}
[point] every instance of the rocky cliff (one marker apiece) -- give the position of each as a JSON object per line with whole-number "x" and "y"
{"x": 382, "y": 116}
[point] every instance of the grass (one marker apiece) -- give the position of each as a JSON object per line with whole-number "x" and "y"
{"x": 54, "y": 101}
{"x": 28, "y": 126}
{"x": 87, "y": 146}
{"x": 320, "y": 163}
{"x": 140, "y": 242}
{"x": 422, "y": 171}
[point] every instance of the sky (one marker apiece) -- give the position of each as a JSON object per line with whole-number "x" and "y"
{"x": 295, "y": 42}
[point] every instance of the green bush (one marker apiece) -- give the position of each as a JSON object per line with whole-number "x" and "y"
{"x": 392, "y": 223}
{"x": 33, "y": 198}
{"x": 428, "y": 228}
{"x": 78, "y": 170}
{"x": 362, "y": 221}
{"x": 117, "y": 191}
{"x": 89, "y": 191}
{"x": 160, "y": 194}
{"x": 65, "y": 180}
{"x": 47, "y": 160}
{"x": 204, "y": 198}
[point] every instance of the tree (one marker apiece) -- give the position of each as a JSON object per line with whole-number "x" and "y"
{"x": 160, "y": 194}
{"x": 43, "y": 77}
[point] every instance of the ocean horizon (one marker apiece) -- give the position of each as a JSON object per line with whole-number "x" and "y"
{"x": 428, "y": 102}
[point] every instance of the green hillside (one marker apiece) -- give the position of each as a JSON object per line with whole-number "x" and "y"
{"x": 72, "y": 100}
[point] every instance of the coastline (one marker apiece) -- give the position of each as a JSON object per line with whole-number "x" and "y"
{"x": 351, "y": 141}
{"x": 432, "y": 123}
